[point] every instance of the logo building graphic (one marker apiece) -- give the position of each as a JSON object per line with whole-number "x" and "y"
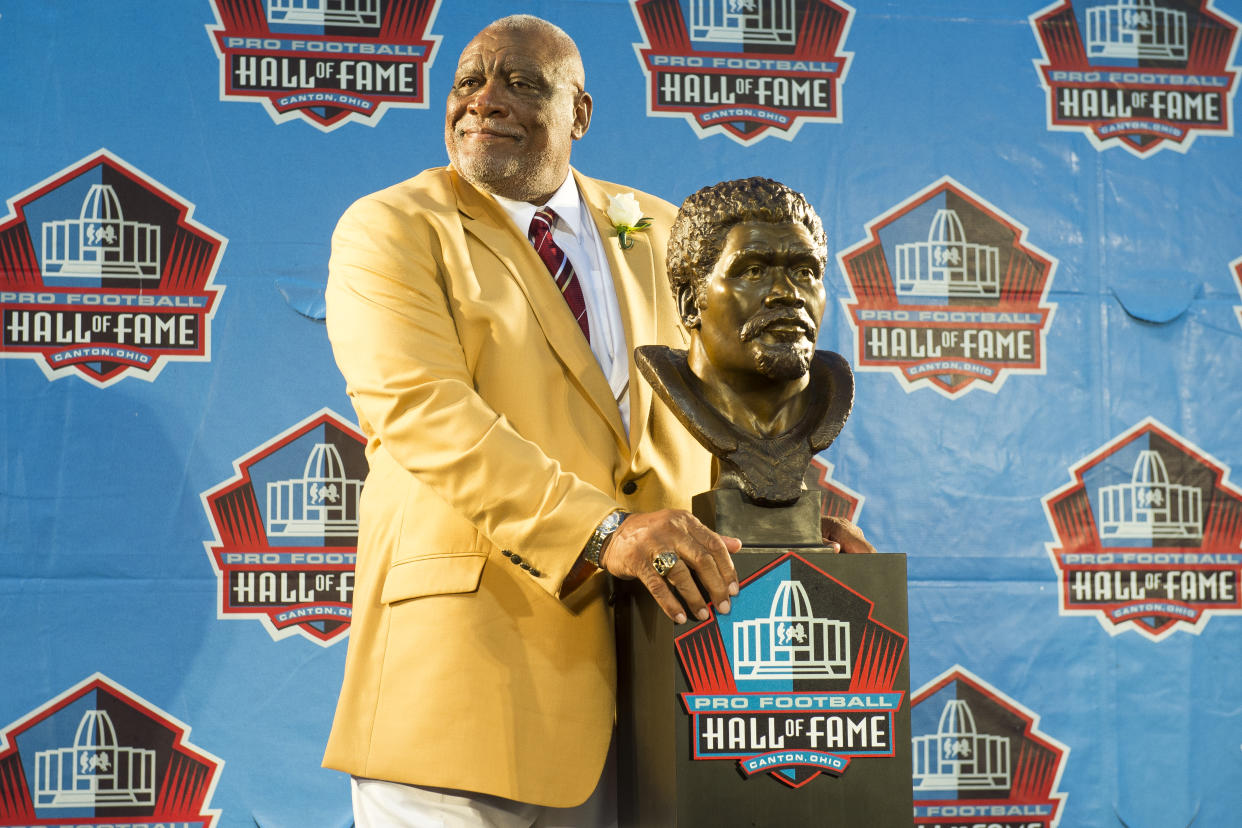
{"x": 100, "y": 242}
{"x": 105, "y": 275}
{"x": 796, "y": 681}
{"x": 980, "y": 758}
{"x": 1140, "y": 74}
{"x": 946, "y": 292}
{"x": 946, "y": 264}
{"x": 744, "y": 68}
{"x": 328, "y": 62}
{"x": 95, "y": 770}
{"x": 286, "y": 529}
{"x": 791, "y": 642}
{"x": 360, "y": 14}
{"x": 958, "y": 757}
{"x": 1136, "y": 29}
{"x": 1149, "y": 506}
{"x": 1148, "y": 535}
{"x": 743, "y": 21}
{"x": 99, "y": 754}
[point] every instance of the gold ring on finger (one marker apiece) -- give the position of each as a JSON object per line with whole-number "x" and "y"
{"x": 663, "y": 562}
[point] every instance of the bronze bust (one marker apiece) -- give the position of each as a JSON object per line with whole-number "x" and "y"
{"x": 746, "y": 264}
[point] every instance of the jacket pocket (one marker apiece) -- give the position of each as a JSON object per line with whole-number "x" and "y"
{"x": 436, "y": 574}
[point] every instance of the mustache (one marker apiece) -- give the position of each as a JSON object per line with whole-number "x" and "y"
{"x": 758, "y": 323}
{"x": 486, "y": 125}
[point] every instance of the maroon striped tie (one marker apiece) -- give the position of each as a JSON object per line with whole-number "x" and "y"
{"x": 559, "y": 266}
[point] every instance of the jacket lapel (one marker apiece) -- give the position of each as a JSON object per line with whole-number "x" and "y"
{"x": 634, "y": 277}
{"x": 484, "y": 219}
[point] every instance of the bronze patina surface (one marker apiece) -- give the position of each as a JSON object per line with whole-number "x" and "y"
{"x": 746, "y": 263}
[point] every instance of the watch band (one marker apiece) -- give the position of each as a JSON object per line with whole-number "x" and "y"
{"x": 595, "y": 546}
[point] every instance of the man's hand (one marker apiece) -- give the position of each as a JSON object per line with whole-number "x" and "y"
{"x": 847, "y": 537}
{"x": 631, "y": 553}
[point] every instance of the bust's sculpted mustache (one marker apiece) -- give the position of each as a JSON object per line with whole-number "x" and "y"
{"x": 756, "y": 325}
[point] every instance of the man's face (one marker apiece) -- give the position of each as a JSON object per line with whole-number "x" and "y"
{"x": 760, "y": 308}
{"x": 514, "y": 111}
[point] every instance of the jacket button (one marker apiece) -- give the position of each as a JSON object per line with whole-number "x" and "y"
{"x": 526, "y": 566}
{"x": 505, "y": 552}
{"x": 629, "y": 487}
{"x": 535, "y": 572}
{"x": 517, "y": 559}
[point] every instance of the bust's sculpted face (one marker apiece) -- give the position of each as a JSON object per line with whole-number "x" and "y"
{"x": 760, "y": 307}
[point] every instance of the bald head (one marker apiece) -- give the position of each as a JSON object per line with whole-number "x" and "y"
{"x": 516, "y": 107}
{"x": 561, "y": 49}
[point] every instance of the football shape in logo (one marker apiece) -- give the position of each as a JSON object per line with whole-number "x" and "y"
{"x": 327, "y": 61}
{"x": 980, "y": 758}
{"x": 744, "y": 68}
{"x": 1147, "y": 535}
{"x": 286, "y": 527}
{"x": 98, "y": 753}
{"x": 1141, "y": 74}
{"x": 946, "y": 292}
{"x": 105, "y": 275}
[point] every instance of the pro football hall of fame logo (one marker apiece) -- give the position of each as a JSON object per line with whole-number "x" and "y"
{"x": 1236, "y": 267}
{"x": 286, "y": 530}
{"x": 328, "y": 61}
{"x": 104, "y": 275}
{"x": 1141, "y": 74}
{"x": 947, "y": 292}
{"x": 744, "y": 68}
{"x": 98, "y": 754}
{"x": 796, "y": 681}
{"x": 836, "y": 499}
{"x": 980, "y": 760}
{"x": 1147, "y": 535}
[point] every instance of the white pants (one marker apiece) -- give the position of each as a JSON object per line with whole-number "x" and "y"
{"x": 381, "y": 804}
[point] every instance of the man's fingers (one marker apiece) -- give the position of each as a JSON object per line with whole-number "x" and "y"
{"x": 679, "y": 577}
{"x": 647, "y": 543}
{"x": 846, "y": 534}
{"x": 711, "y": 556}
{"x": 663, "y": 594}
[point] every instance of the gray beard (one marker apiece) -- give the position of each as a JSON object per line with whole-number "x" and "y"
{"x": 509, "y": 178}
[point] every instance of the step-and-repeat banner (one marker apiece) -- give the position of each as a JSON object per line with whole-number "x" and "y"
{"x": 1034, "y": 214}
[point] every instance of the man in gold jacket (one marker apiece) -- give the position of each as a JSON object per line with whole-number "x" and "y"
{"x": 504, "y": 447}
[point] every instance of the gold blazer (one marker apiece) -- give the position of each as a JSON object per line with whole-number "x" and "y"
{"x": 495, "y": 447}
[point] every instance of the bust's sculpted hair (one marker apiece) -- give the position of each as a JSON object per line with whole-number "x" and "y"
{"x": 705, "y": 218}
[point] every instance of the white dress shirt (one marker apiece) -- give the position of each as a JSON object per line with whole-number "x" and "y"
{"x": 575, "y": 233}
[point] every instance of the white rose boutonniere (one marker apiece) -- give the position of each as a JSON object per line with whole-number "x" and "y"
{"x": 626, "y": 217}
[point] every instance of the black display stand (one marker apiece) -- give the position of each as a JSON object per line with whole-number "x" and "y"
{"x": 847, "y": 700}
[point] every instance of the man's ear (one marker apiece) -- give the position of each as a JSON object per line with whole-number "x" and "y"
{"x": 582, "y": 115}
{"x": 687, "y": 306}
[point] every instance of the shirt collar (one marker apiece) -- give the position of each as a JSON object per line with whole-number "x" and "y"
{"x": 566, "y": 202}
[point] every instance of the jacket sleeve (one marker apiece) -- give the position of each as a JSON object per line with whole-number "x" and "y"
{"x": 394, "y": 339}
